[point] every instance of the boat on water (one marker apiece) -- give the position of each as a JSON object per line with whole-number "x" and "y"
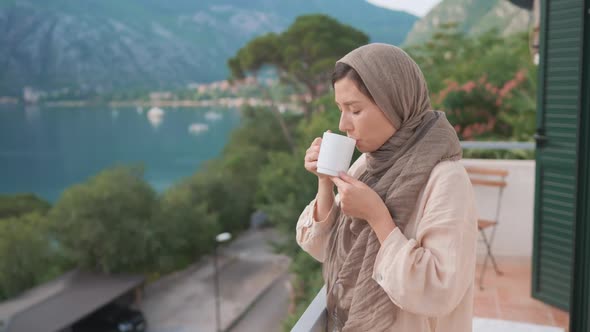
{"x": 197, "y": 128}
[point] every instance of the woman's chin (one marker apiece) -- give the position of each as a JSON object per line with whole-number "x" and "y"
{"x": 364, "y": 149}
{"x": 361, "y": 149}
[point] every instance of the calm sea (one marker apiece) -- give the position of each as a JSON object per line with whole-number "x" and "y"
{"x": 45, "y": 150}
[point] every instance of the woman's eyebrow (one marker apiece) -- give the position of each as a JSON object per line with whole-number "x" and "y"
{"x": 348, "y": 103}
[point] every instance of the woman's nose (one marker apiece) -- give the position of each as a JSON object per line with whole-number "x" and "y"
{"x": 344, "y": 125}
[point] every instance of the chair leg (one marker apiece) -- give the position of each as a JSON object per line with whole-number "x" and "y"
{"x": 485, "y": 262}
{"x": 498, "y": 272}
{"x": 489, "y": 253}
{"x": 483, "y": 271}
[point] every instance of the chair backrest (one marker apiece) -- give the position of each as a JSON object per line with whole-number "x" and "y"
{"x": 489, "y": 177}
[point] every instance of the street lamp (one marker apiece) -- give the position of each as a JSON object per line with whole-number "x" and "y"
{"x": 220, "y": 238}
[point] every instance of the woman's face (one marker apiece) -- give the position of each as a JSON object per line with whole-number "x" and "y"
{"x": 360, "y": 118}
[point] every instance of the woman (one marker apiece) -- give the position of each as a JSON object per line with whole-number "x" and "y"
{"x": 398, "y": 242}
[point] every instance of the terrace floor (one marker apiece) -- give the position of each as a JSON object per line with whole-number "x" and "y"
{"x": 507, "y": 297}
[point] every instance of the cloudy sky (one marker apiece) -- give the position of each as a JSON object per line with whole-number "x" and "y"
{"x": 416, "y": 7}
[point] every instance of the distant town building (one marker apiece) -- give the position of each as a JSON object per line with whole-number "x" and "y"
{"x": 8, "y": 100}
{"x": 31, "y": 95}
{"x": 161, "y": 95}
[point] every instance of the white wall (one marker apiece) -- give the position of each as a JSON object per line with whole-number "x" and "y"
{"x": 514, "y": 233}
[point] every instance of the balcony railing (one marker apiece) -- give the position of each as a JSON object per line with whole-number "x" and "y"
{"x": 492, "y": 145}
{"x": 314, "y": 317}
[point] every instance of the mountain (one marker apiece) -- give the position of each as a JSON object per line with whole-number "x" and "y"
{"x": 473, "y": 17}
{"x": 119, "y": 44}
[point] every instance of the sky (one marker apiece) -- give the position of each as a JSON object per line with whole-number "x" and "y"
{"x": 416, "y": 7}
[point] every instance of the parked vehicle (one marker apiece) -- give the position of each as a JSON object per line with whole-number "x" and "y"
{"x": 112, "y": 318}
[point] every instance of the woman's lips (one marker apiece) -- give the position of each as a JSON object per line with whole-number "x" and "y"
{"x": 357, "y": 140}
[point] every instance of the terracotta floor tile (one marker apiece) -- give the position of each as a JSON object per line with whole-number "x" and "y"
{"x": 560, "y": 317}
{"x": 485, "y": 302}
{"x": 518, "y": 297}
{"x": 524, "y": 314}
{"x": 486, "y": 310}
{"x": 508, "y": 296}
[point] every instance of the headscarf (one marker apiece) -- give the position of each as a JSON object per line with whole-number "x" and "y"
{"x": 397, "y": 171}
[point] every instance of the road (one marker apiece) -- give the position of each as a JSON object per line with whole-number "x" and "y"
{"x": 267, "y": 314}
{"x": 185, "y": 301}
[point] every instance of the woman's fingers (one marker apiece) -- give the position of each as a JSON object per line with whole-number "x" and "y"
{"x": 313, "y": 165}
{"x": 313, "y": 148}
{"x": 312, "y": 154}
{"x": 341, "y": 184}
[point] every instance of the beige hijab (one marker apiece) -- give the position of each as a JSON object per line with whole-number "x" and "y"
{"x": 397, "y": 171}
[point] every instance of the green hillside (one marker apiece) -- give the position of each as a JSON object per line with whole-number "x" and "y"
{"x": 472, "y": 17}
{"x": 118, "y": 44}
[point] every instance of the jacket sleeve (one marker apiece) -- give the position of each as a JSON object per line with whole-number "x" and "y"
{"x": 312, "y": 235}
{"x": 430, "y": 274}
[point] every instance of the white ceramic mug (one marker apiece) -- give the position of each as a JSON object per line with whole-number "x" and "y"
{"x": 335, "y": 154}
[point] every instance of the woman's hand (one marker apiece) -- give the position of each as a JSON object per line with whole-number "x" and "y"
{"x": 360, "y": 201}
{"x": 357, "y": 199}
{"x": 311, "y": 158}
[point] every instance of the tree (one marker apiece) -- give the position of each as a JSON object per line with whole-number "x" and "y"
{"x": 184, "y": 227}
{"x": 105, "y": 223}
{"x": 228, "y": 184}
{"x": 20, "y": 204}
{"x": 26, "y": 256}
{"x": 302, "y": 56}
{"x": 452, "y": 56}
{"x": 226, "y": 194}
{"x": 485, "y": 84}
{"x": 311, "y": 47}
{"x": 260, "y": 51}
{"x": 481, "y": 110}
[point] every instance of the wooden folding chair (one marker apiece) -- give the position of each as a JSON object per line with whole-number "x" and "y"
{"x": 496, "y": 178}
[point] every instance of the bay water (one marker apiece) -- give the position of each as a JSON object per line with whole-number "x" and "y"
{"x": 46, "y": 150}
